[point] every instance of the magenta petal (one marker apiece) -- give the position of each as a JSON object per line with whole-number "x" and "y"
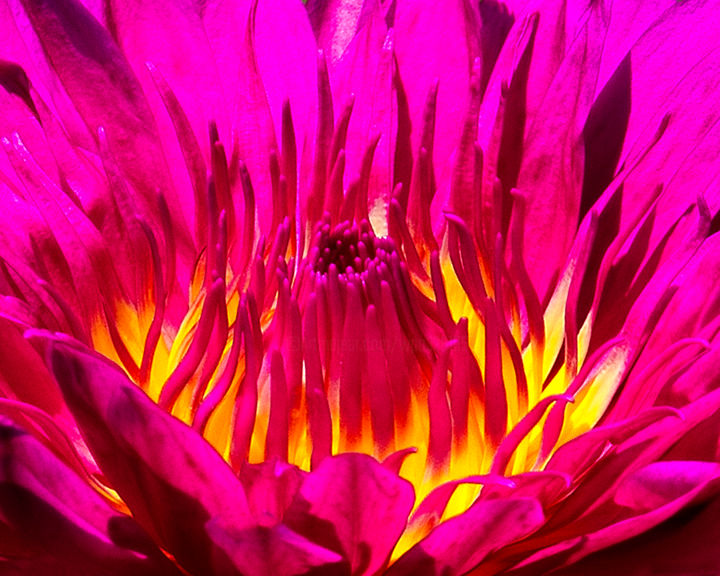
{"x": 685, "y": 545}
{"x": 659, "y": 483}
{"x": 671, "y": 106}
{"x": 658, "y": 492}
{"x": 20, "y": 364}
{"x": 436, "y": 41}
{"x": 170, "y": 35}
{"x": 461, "y": 543}
{"x": 162, "y": 480}
{"x": 335, "y": 23}
{"x": 276, "y": 550}
{"x": 656, "y": 74}
{"x": 230, "y": 27}
{"x": 691, "y": 311}
{"x": 56, "y": 513}
{"x": 366, "y": 73}
{"x": 270, "y": 487}
{"x": 429, "y": 512}
{"x": 282, "y": 28}
{"x": 91, "y": 67}
{"x": 551, "y": 172}
{"x": 20, "y": 114}
{"x": 543, "y": 485}
{"x": 355, "y": 506}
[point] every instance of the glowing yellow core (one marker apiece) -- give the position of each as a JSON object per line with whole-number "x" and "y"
{"x": 471, "y": 456}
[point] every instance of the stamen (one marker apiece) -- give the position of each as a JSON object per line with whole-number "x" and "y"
{"x": 214, "y": 351}
{"x": 334, "y": 193}
{"x": 222, "y": 385}
{"x": 170, "y": 251}
{"x": 245, "y": 410}
{"x": 521, "y": 430}
{"x": 496, "y": 407}
{"x": 440, "y": 438}
{"x": 159, "y": 295}
{"x": 361, "y": 211}
{"x": 379, "y": 392}
{"x": 279, "y": 248}
{"x": 123, "y": 353}
{"x": 536, "y": 323}
{"x": 325, "y": 122}
{"x": 319, "y": 419}
{"x": 459, "y": 393}
{"x": 221, "y": 178}
{"x": 465, "y": 261}
{"x": 247, "y": 240}
{"x": 402, "y": 366}
{"x": 276, "y": 444}
{"x": 351, "y": 370}
{"x": 277, "y": 196}
{"x": 397, "y": 222}
{"x": 571, "y": 328}
{"x": 289, "y": 160}
{"x": 419, "y": 202}
{"x": 190, "y": 362}
{"x": 464, "y": 174}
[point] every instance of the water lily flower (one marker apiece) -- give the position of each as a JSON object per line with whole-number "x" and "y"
{"x": 358, "y": 287}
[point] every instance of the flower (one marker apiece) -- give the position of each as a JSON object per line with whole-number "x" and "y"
{"x": 438, "y": 298}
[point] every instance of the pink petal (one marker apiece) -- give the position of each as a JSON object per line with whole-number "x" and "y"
{"x": 461, "y": 543}
{"x": 659, "y": 483}
{"x": 670, "y": 107}
{"x": 270, "y": 487}
{"x": 91, "y": 67}
{"x": 436, "y": 41}
{"x": 629, "y": 21}
{"x": 353, "y": 505}
{"x": 551, "y": 172}
{"x": 656, "y": 75}
{"x": 658, "y": 491}
{"x": 685, "y": 545}
{"x": 285, "y": 51}
{"x": 691, "y": 311}
{"x": 335, "y": 23}
{"x": 273, "y": 550}
{"x": 365, "y": 71}
{"x": 230, "y": 27}
{"x": 22, "y": 46}
{"x": 21, "y": 115}
{"x": 20, "y": 364}
{"x": 46, "y": 504}
{"x": 162, "y": 480}
{"x": 171, "y": 36}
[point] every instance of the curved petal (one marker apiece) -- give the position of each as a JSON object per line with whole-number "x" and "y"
{"x": 461, "y": 543}
{"x": 46, "y": 504}
{"x": 273, "y": 550}
{"x": 436, "y": 41}
{"x": 91, "y": 67}
{"x": 353, "y": 505}
{"x": 161, "y": 480}
{"x": 684, "y": 545}
{"x": 658, "y": 491}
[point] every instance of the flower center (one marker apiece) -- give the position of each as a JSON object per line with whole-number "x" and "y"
{"x": 351, "y": 248}
{"x": 437, "y": 360}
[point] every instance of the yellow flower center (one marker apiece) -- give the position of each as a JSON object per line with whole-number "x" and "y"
{"x": 349, "y": 351}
